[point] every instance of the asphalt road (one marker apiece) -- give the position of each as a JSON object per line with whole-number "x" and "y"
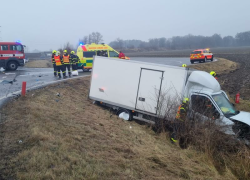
{"x": 11, "y": 81}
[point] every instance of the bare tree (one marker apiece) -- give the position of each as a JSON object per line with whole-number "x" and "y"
{"x": 94, "y": 37}
{"x": 67, "y": 47}
{"x": 99, "y": 38}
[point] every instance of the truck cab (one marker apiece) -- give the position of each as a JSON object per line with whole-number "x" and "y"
{"x": 208, "y": 101}
{"x": 87, "y": 51}
{"x": 11, "y": 55}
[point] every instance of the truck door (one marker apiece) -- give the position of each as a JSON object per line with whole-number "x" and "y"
{"x": 149, "y": 90}
{"x": 203, "y": 108}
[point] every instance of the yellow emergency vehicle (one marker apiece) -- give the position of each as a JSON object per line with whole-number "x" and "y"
{"x": 87, "y": 51}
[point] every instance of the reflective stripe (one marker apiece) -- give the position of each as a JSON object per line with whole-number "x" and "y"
{"x": 12, "y": 55}
{"x": 172, "y": 139}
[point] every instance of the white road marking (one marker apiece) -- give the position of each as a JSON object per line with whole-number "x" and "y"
{"x": 4, "y": 77}
{"x": 45, "y": 84}
{"x": 10, "y": 73}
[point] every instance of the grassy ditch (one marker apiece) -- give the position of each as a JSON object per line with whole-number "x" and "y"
{"x": 48, "y": 135}
{"x": 39, "y": 64}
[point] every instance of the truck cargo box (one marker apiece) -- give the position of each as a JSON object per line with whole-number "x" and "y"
{"x": 136, "y": 86}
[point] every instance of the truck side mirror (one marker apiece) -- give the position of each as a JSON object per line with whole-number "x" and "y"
{"x": 216, "y": 115}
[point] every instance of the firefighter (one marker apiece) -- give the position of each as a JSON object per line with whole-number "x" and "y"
{"x": 179, "y": 119}
{"x": 66, "y": 62}
{"x": 214, "y": 75}
{"x": 121, "y": 55}
{"x": 184, "y": 65}
{"x": 53, "y": 62}
{"x": 74, "y": 60}
{"x": 59, "y": 64}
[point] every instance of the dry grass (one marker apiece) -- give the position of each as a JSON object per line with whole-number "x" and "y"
{"x": 68, "y": 137}
{"x": 222, "y": 66}
{"x": 39, "y": 64}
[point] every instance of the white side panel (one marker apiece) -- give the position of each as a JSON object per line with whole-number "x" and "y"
{"x": 149, "y": 89}
{"x": 116, "y": 82}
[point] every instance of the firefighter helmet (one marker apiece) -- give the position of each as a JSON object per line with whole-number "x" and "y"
{"x": 54, "y": 51}
{"x": 65, "y": 51}
{"x": 185, "y": 100}
{"x": 184, "y": 65}
{"x": 213, "y": 73}
{"x": 72, "y": 52}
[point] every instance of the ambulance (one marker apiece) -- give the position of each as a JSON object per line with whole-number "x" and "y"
{"x": 201, "y": 55}
{"x": 87, "y": 51}
{"x": 11, "y": 55}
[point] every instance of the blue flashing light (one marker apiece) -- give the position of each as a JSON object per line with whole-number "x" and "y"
{"x": 81, "y": 44}
{"x": 18, "y": 41}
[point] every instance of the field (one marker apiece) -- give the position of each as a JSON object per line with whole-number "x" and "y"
{"x": 39, "y": 64}
{"x": 66, "y": 136}
{"x": 186, "y": 53}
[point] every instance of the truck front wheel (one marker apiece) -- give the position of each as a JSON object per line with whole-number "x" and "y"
{"x": 12, "y": 66}
{"x": 192, "y": 62}
{"x": 124, "y": 114}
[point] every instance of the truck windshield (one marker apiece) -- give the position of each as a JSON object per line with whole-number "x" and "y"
{"x": 16, "y": 48}
{"x": 226, "y": 107}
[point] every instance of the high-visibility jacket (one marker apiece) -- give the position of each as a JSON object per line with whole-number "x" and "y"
{"x": 52, "y": 59}
{"x": 182, "y": 112}
{"x": 74, "y": 58}
{"x": 58, "y": 60}
{"x": 66, "y": 59}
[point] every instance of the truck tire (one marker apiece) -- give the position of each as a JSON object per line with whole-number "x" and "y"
{"x": 127, "y": 112}
{"x": 192, "y": 62}
{"x": 212, "y": 58}
{"x": 205, "y": 59}
{"x": 11, "y": 66}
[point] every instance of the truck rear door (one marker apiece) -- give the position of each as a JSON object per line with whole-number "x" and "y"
{"x": 149, "y": 90}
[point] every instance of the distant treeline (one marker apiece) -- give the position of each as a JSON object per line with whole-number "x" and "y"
{"x": 184, "y": 42}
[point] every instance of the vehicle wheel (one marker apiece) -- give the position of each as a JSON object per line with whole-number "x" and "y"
{"x": 205, "y": 59}
{"x": 12, "y": 66}
{"x": 126, "y": 114}
{"x": 192, "y": 62}
{"x": 84, "y": 70}
{"x": 212, "y": 58}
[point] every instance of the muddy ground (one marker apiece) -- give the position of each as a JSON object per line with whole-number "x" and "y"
{"x": 237, "y": 80}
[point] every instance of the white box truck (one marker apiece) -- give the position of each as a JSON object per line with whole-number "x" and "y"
{"x": 144, "y": 91}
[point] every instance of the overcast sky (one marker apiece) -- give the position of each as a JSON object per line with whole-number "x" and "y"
{"x": 48, "y": 24}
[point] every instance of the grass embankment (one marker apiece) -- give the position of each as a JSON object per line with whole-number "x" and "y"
{"x": 223, "y": 67}
{"x": 39, "y": 64}
{"x": 66, "y": 136}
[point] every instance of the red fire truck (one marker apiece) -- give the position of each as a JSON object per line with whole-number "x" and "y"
{"x": 11, "y": 55}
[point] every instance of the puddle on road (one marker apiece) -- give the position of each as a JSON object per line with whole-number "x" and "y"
{"x": 7, "y": 81}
